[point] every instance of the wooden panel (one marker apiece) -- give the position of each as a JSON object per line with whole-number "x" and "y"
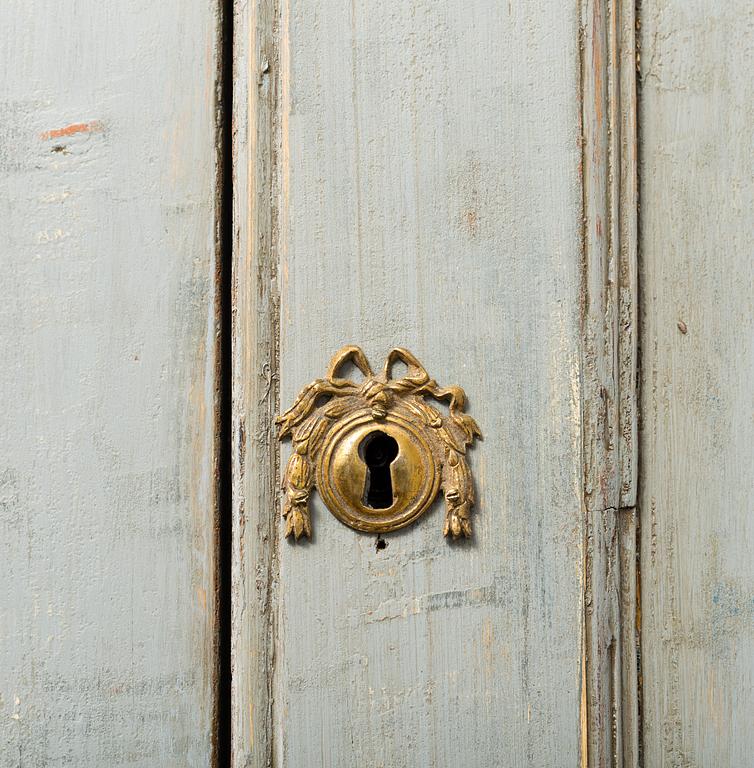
{"x": 107, "y": 183}
{"x": 697, "y": 195}
{"x": 425, "y": 193}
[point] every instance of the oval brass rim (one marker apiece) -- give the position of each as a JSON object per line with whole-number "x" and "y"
{"x": 361, "y": 517}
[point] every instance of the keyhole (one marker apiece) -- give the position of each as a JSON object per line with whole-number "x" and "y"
{"x": 378, "y": 451}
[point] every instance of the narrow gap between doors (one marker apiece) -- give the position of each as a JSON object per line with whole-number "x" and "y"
{"x": 224, "y": 438}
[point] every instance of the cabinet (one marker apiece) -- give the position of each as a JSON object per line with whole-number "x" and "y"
{"x": 549, "y": 205}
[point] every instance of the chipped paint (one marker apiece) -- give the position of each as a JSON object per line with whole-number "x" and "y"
{"x": 93, "y": 126}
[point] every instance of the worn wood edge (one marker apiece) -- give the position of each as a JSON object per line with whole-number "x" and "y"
{"x": 628, "y": 383}
{"x": 609, "y": 307}
{"x": 220, "y": 274}
{"x": 628, "y": 270}
{"x": 255, "y": 311}
{"x": 630, "y": 673}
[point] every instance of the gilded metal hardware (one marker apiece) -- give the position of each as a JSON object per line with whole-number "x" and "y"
{"x": 376, "y": 450}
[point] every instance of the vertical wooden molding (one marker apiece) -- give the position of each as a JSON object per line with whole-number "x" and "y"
{"x": 608, "y": 53}
{"x": 255, "y": 307}
{"x": 628, "y": 381}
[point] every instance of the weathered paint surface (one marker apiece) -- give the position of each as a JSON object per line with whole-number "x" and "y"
{"x": 426, "y": 193}
{"x": 697, "y": 289}
{"x": 255, "y": 376}
{"x": 609, "y": 352}
{"x": 107, "y": 224}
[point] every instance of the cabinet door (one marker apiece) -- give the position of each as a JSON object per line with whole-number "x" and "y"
{"x": 108, "y": 333}
{"x": 410, "y": 174}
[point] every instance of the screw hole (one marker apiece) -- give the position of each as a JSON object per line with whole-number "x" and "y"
{"x": 380, "y": 543}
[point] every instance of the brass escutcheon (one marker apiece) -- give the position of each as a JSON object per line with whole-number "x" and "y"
{"x": 376, "y": 450}
{"x": 343, "y": 473}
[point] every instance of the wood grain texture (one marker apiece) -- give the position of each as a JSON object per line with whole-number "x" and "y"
{"x": 697, "y": 284}
{"x": 107, "y": 318}
{"x": 430, "y": 198}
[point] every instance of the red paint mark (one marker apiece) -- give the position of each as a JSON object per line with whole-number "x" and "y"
{"x": 599, "y": 227}
{"x": 69, "y": 130}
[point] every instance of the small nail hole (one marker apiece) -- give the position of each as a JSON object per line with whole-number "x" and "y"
{"x": 380, "y": 543}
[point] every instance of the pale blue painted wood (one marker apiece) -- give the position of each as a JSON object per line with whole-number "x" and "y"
{"x": 107, "y": 331}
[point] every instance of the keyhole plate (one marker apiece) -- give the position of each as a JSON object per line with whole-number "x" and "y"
{"x": 341, "y": 473}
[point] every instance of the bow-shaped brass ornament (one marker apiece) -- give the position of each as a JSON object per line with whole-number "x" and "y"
{"x": 333, "y": 419}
